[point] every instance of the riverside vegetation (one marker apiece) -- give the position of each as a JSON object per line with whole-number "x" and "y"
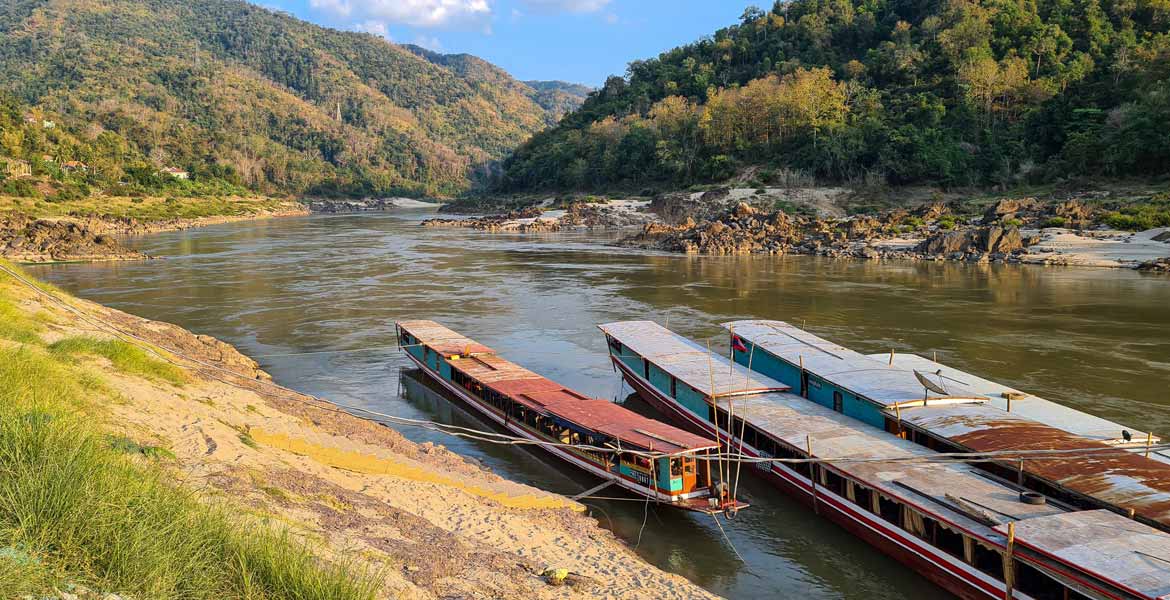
{"x": 81, "y": 509}
{"x": 953, "y": 93}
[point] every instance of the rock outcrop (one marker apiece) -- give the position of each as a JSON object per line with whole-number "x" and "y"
{"x": 24, "y": 239}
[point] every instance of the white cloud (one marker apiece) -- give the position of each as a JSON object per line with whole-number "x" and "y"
{"x": 337, "y": 7}
{"x": 429, "y": 42}
{"x": 417, "y": 13}
{"x": 577, "y": 6}
{"x": 373, "y": 26}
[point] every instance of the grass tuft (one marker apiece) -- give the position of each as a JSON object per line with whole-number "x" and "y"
{"x": 75, "y": 509}
{"x": 125, "y": 357}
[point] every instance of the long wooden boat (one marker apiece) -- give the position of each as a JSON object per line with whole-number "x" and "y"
{"x": 649, "y": 458}
{"x": 970, "y": 533}
{"x": 949, "y": 410}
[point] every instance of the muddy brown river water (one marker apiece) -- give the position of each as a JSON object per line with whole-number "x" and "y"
{"x": 285, "y": 290}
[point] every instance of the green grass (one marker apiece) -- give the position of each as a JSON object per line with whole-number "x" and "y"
{"x": 75, "y": 508}
{"x": 124, "y": 356}
{"x": 81, "y": 507}
{"x": 17, "y": 325}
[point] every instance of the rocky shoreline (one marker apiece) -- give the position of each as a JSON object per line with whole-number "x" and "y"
{"x": 26, "y": 239}
{"x": 544, "y": 218}
{"x": 1008, "y": 231}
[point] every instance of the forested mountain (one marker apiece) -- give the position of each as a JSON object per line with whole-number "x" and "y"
{"x": 555, "y": 97}
{"x": 559, "y": 97}
{"x": 955, "y": 92}
{"x": 277, "y": 104}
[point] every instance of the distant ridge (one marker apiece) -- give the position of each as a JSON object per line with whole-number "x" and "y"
{"x": 291, "y": 106}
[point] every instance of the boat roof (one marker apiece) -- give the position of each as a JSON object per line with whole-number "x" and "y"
{"x": 443, "y": 340}
{"x": 689, "y": 362}
{"x": 876, "y": 380}
{"x": 1025, "y": 404}
{"x": 1119, "y": 477}
{"x": 1116, "y": 549}
{"x": 932, "y": 486}
{"x": 549, "y": 397}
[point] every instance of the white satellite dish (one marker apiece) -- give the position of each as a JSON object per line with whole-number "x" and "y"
{"x": 930, "y": 385}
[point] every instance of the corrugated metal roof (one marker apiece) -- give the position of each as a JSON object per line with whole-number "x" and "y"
{"x": 443, "y": 340}
{"x": 835, "y": 436}
{"x": 874, "y": 379}
{"x": 545, "y": 395}
{"x": 1120, "y": 478}
{"x": 1116, "y": 549}
{"x": 687, "y": 361}
{"x": 1033, "y": 407}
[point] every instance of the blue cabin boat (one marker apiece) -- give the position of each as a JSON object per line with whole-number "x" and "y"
{"x": 948, "y": 410}
{"x": 975, "y": 535}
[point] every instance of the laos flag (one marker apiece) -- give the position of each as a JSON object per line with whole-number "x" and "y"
{"x": 737, "y": 344}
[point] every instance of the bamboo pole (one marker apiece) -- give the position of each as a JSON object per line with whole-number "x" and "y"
{"x": 813, "y": 473}
{"x": 1149, "y": 442}
{"x": 1008, "y": 562}
{"x": 715, "y": 405}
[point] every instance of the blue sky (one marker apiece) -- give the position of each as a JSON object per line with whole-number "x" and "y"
{"x": 582, "y": 41}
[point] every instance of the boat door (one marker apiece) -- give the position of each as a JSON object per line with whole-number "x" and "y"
{"x": 689, "y": 471}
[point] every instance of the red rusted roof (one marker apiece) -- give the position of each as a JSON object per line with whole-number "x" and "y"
{"x": 1118, "y": 477}
{"x": 630, "y": 427}
{"x": 524, "y": 386}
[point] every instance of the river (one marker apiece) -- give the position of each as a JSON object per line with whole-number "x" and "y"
{"x": 284, "y": 290}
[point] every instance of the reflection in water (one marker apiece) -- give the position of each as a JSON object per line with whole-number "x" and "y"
{"x": 1095, "y": 339}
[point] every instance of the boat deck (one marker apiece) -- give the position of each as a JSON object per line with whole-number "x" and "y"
{"x": 1114, "y": 548}
{"x": 690, "y": 362}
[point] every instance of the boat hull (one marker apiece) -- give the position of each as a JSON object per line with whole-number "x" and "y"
{"x": 941, "y": 569}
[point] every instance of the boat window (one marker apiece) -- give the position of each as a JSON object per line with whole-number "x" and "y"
{"x": 890, "y": 510}
{"x": 862, "y": 496}
{"x": 838, "y": 401}
{"x": 689, "y": 466}
{"x": 646, "y": 368}
{"x": 949, "y": 541}
{"x": 673, "y": 387}
{"x": 675, "y": 467}
{"x": 1036, "y": 584}
{"x": 749, "y": 436}
{"x": 988, "y": 561}
{"x": 834, "y": 482}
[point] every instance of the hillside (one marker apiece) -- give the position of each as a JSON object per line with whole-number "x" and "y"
{"x": 954, "y": 93}
{"x": 559, "y": 97}
{"x": 247, "y": 95}
{"x": 556, "y": 97}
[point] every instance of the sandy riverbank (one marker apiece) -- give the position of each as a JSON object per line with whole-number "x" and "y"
{"x": 429, "y": 523}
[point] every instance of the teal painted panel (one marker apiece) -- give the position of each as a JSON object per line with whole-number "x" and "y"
{"x": 659, "y": 379}
{"x": 820, "y": 391}
{"x": 864, "y": 410}
{"x": 693, "y": 401}
{"x": 766, "y": 363}
{"x": 664, "y": 479}
{"x": 445, "y": 370}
